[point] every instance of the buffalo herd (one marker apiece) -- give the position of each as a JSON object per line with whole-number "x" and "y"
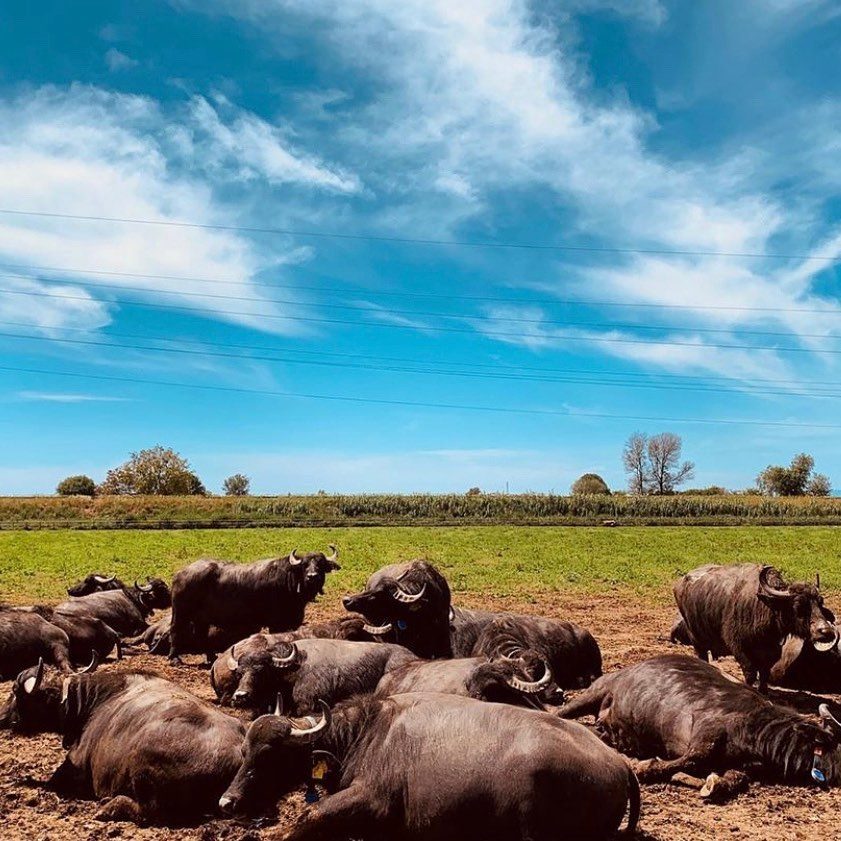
{"x": 409, "y": 716}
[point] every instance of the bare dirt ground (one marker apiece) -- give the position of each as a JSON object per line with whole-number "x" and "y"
{"x": 628, "y": 631}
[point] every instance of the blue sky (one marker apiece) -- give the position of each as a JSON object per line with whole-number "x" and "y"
{"x": 670, "y": 148}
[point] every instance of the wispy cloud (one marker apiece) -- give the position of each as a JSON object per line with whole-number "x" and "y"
{"x": 116, "y": 60}
{"x": 58, "y": 397}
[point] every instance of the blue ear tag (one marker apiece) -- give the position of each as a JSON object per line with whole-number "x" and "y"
{"x": 401, "y": 624}
{"x": 817, "y": 767}
{"x": 311, "y": 795}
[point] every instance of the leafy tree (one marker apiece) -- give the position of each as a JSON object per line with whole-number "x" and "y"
{"x": 237, "y": 485}
{"x": 76, "y": 486}
{"x": 474, "y": 492}
{"x": 590, "y": 483}
{"x": 156, "y": 471}
{"x": 798, "y": 479}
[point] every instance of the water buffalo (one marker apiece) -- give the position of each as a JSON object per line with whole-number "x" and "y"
{"x": 503, "y": 681}
{"x": 272, "y": 593}
{"x": 746, "y": 610}
{"x": 254, "y": 671}
{"x": 426, "y": 766}
{"x": 158, "y": 753}
{"x": 26, "y": 637}
{"x": 807, "y": 668}
{"x": 124, "y": 610}
{"x": 411, "y": 602}
{"x": 88, "y": 635}
{"x": 95, "y": 583}
{"x": 687, "y": 711}
{"x": 157, "y": 638}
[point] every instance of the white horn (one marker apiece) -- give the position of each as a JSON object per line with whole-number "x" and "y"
{"x": 31, "y": 684}
{"x": 91, "y": 667}
{"x": 290, "y": 658}
{"x": 377, "y": 630}
{"x": 335, "y": 554}
{"x": 532, "y": 687}
{"x": 316, "y": 726}
{"x": 408, "y": 598}
{"x": 294, "y": 560}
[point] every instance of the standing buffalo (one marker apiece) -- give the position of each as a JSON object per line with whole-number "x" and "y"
{"x": 429, "y": 766}
{"x": 253, "y": 672}
{"x": 158, "y": 753}
{"x": 808, "y": 668}
{"x": 26, "y": 637}
{"x": 272, "y": 593}
{"x": 686, "y": 710}
{"x": 747, "y": 611}
{"x": 501, "y": 681}
{"x": 125, "y": 610}
{"x": 411, "y": 603}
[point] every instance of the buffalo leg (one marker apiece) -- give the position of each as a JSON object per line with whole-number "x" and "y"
{"x": 661, "y": 770}
{"x": 346, "y": 813}
{"x": 702, "y": 653}
{"x": 119, "y": 808}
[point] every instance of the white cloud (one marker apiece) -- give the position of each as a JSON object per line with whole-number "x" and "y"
{"x": 91, "y": 152}
{"x": 59, "y": 397}
{"x": 117, "y": 60}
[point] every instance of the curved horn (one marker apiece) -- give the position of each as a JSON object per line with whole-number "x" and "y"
{"x": 233, "y": 664}
{"x": 766, "y": 589}
{"x": 316, "y": 727}
{"x": 278, "y": 705}
{"x": 405, "y": 597}
{"x": 451, "y": 615}
{"x": 335, "y": 555}
{"x": 91, "y": 667}
{"x": 294, "y": 560}
{"x": 31, "y": 684}
{"x": 530, "y": 687}
{"x": 284, "y": 662}
{"x": 103, "y": 579}
{"x": 377, "y": 630}
{"x": 144, "y": 588}
{"x": 827, "y": 716}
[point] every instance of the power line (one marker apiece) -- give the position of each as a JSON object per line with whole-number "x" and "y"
{"x": 531, "y": 246}
{"x": 494, "y": 366}
{"x": 457, "y": 316}
{"x": 406, "y": 294}
{"x": 424, "y": 327}
{"x": 488, "y": 375}
{"x": 420, "y": 404}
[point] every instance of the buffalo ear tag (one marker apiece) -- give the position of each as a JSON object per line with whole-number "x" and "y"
{"x": 319, "y": 770}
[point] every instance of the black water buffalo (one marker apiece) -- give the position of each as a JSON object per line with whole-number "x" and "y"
{"x": 158, "y": 753}
{"x": 88, "y": 635}
{"x": 688, "y": 712}
{"x": 26, "y": 637}
{"x": 808, "y": 668}
{"x": 411, "y": 602}
{"x": 430, "y": 766}
{"x": 157, "y": 638}
{"x": 124, "y": 610}
{"x": 272, "y": 593}
{"x": 253, "y": 672}
{"x": 747, "y": 611}
{"x": 95, "y": 583}
{"x": 503, "y": 681}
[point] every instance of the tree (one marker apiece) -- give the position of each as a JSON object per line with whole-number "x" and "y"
{"x": 474, "y": 492}
{"x": 634, "y": 460}
{"x": 76, "y": 486}
{"x": 156, "y": 471}
{"x": 590, "y": 483}
{"x": 797, "y": 479}
{"x": 665, "y": 472}
{"x": 237, "y": 485}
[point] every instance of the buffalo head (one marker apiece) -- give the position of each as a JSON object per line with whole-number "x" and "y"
{"x": 274, "y": 750}
{"x": 800, "y": 609}
{"x": 95, "y": 583}
{"x": 311, "y": 570}
{"x": 154, "y": 594}
{"x": 259, "y": 673}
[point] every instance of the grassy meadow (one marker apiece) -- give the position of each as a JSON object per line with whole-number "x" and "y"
{"x": 516, "y": 561}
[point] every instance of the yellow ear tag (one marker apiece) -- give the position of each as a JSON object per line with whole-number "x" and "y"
{"x": 319, "y": 770}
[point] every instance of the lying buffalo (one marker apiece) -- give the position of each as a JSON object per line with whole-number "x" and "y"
{"x": 411, "y": 602}
{"x": 26, "y": 637}
{"x": 272, "y": 593}
{"x": 747, "y": 611}
{"x": 253, "y": 672}
{"x": 158, "y": 639}
{"x": 700, "y": 721}
{"x": 125, "y": 610}
{"x": 156, "y": 752}
{"x": 502, "y": 681}
{"x": 430, "y": 766}
{"x": 88, "y": 635}
{"x": 95, "y": 583}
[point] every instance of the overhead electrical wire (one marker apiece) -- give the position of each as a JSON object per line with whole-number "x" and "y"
{"x": 532, "y": 246}
{"x": 519, "y": 410}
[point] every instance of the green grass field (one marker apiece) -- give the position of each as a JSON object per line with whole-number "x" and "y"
{"x": 494, "y": 560}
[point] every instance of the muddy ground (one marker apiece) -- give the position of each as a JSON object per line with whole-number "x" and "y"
{"x": 627, "y": 630}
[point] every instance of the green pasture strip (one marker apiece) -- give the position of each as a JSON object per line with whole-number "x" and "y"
{"x": 518, "y": 561}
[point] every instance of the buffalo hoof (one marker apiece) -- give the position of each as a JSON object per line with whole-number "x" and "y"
{"x": 176, "y": 661}
{"x": 120, "y": 808}
{"x": 721, "y": 789}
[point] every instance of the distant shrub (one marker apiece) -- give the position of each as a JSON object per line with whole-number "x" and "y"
{"x": 237, "y": 485}
{"x": 590, "y": 483}
{"x": 76, "y": 486}
{"x": 712, "y": 490}
{"x": 474, "y": 492}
